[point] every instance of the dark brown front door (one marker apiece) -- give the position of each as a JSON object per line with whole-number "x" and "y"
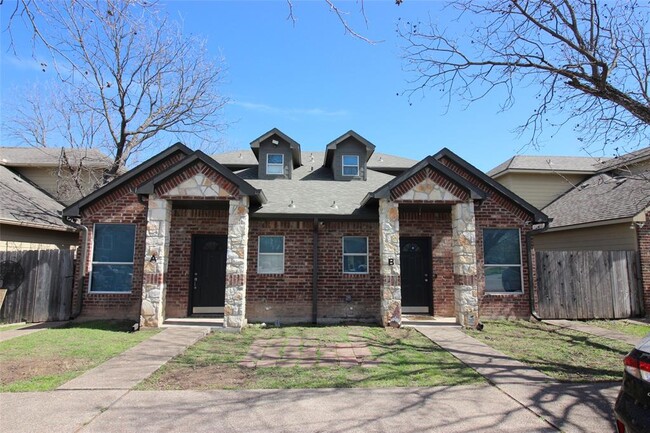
{"x": 415, "y": 268}
{"x": 208, "y": 274}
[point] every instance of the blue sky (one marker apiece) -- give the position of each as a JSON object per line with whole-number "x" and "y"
{"x": 314, "y": 82}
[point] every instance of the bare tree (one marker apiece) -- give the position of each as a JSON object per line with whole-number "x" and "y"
{"x": 588, "y": 60}
{"x": 125, "y": 74}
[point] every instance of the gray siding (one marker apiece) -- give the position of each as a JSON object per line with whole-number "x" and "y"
{"x": 614, "y": 237}
{"x": 283, "y": 148}
{"x": 349, "y": 147}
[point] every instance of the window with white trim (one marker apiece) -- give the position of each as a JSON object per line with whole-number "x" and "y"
{"x": 350, "y": 165}
{"x": 502, "y": 261}
{"x": 274, "y": 163}
{"x": 355, "y": 255}
{"x": 270, "y": 255}
{"x": 112, "y": 263}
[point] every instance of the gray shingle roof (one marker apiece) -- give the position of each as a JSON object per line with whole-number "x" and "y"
{"x": 626, "y": 159}
{"x": 576, "y": 164}
{"x": 246, "y": 158}
{"x": 315, "y": 192}
{"x": 24, "y": 204}
{"x": 600, "y": 198}
{"x": 49, "y": 157}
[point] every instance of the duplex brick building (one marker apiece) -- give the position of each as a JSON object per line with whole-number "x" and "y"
{"x": 278, "y": 234}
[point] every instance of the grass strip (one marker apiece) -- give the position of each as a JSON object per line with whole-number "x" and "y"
{"x": 563, "y": 354}
{"x": 44, "y": 360}
{"x": 400, "y": 358}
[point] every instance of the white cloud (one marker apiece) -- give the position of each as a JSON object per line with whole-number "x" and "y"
{"x": 24, "y": 64}
{"x": 290, "y": 111}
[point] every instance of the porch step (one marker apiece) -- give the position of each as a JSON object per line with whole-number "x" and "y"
{"x": 412, "y": 320}
{"x": 210, "y": 322}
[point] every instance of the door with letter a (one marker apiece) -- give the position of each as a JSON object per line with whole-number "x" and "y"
{"x": 415, "y": 269}
{"x": 208, "y": 274}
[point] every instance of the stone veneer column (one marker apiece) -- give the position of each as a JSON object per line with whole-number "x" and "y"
{"x": 234, "y": 312}
{"x": 465, "y": 267}
{"x": 159, "y": 215}
{"x": 391, "y": 290}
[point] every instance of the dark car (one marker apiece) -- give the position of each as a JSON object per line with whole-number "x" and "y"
{"x": 632, "y": 409}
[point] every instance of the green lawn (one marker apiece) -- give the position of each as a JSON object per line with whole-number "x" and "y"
{"x": 46, "y": 359}
{"x": 634, "y": 329}
{"x": 403, "y": 357}
{"x": 562, "y": 354}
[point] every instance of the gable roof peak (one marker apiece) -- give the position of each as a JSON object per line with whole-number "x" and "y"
{"x": 293, "y": 145}
{"x": 74, "y": 209}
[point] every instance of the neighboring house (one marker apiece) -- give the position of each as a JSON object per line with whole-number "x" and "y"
{"x": 48, "y": 169}
{"x": 594, "y": 205}
{"x": 30, "y": 219}
{"x": 34, "y": 188}
{"x": 281, "y": 234}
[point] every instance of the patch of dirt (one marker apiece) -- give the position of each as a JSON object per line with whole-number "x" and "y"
{"x": 28, "y": 368}
{"x": 207, "y": 377}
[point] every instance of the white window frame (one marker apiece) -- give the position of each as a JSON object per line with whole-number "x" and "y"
{"x": 93, "y": 263}
{"x": 343, "y": 165}
{"x": 260, "y": 254}
{"x": 505, "y": 265}
{"x": 274, "y": 164}
{"x": 344, "y": 254}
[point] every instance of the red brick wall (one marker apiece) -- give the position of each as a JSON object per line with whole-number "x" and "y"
{"x": 120, "y": 206}
{"x": 334, "y": 286}
{"x": 285, "y": 297}
{"x": 643, "y": 237}
{"x": 437, "y": 225}
{"x": 498, "y": 211}
{"x": 185, "y": 223}
{"x": 123, "y": 210}
{"x": 493, "y": 213}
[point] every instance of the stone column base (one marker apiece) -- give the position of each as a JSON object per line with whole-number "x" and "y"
{"x": 466, "y": 306}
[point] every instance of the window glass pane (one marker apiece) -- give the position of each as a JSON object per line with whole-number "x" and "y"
{"x": 350, "y": 160}
{"x": 114, "y": 243}
{"x": 270, "y": 264}
{"x": 350, "y": 171}
{"x": 355, "y": 245}
{"x": 355, "y": 264}
{"x": 503, "y": 279}
{"x": 111, "y": 278}
{"x": 501, "y": 246}
{"x": 274, "y": 159}
{"x": 271, "y": 244}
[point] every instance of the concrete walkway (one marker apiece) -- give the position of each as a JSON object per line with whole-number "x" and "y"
{"x": 569, "y": 407}
{"x": 29, "y": 329}
{"x": 456, "y": 409}
{"x": 577, "y": 325}
{"x": 136, "y": 364}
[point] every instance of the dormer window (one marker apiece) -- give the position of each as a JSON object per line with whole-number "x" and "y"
{"x": 350, "y": 165}
{"x": 274, "y": 163}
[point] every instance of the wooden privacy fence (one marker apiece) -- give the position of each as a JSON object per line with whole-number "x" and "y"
{"x": 38, "y": 285}
{"x": 588, "y": 284}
